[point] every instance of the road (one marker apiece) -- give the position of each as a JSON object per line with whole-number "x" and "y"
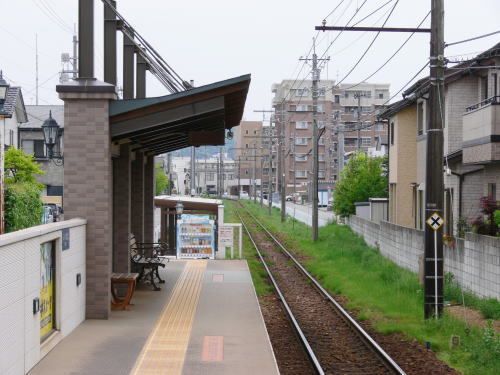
{"x": 303, "y": 213}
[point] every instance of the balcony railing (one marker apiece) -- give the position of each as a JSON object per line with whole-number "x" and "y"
{"x": 492, "y": 100}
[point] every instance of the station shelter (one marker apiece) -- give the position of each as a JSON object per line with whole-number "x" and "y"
{"x": 189, "y": 226}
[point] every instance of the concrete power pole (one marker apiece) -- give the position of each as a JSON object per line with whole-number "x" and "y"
{"x": 433, "y": 255}
{"x": 315, "y": 76}
{"x": 315, "y": 167}
{"x": 254, "y": 175}
{"x": 358, "y": 95}
{"x": 193, "y": 172}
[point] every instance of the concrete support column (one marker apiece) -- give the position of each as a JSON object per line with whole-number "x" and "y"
{"x": 88, "y": 184}
{"x": 149, "y": 194}
{"x": 121, "y": 210}
{"x": 137, "y": 201}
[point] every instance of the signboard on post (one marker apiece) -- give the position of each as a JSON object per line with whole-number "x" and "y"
{"x": 435, "y": 221}
{"x": 226, "y": 238}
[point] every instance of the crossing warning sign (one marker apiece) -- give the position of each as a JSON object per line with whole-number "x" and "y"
{"x": 435, "y": 221}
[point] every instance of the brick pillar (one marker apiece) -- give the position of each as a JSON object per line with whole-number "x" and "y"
{"x": 88, "y": 182}
{"x": 149, "y": 194}
{"x": 137, "y": 201}
{"x": 121, "y": 209}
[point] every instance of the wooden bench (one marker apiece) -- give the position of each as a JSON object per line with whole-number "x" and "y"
{"x": 130, "y": 279}
{"x": 146, "y": 262}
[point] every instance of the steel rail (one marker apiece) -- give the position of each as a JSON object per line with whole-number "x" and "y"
{"x": 296, "y": 326}
{"x": 388, "y": 361}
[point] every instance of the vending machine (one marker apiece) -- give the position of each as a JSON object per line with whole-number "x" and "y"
{"x": 195, "y": 237}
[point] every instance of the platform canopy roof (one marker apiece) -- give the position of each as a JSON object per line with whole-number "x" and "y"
{"x": 189, "y": 203}
{"x": 196, "y": 117}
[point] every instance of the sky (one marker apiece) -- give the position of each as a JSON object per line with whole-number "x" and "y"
{"x": 209, "y": 41}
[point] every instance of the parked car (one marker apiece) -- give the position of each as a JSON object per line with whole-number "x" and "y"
{"x": 289, "y": 198}
{"x": 244, "y": 195}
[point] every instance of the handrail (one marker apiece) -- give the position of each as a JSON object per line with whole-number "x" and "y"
{"x": 492, "y": 100}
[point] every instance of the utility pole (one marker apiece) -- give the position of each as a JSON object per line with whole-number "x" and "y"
{"x": 433, "y": 255}
{"x": 434, "y": 184}
{"x": 169, "y": 166}
{"x": 36, "y": 61}
{"x": 358, "y": 95}
{"x": 193, "y": 171}
{"x": 239, "y": 175}
{"x": 221, "y": 172}
{"x": 261, "y": 179}
{"x": 315, "y": 161}
{"x": 254, "y": 175}
{"x": 340, "y": 149}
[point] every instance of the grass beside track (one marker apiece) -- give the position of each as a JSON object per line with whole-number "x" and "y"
{"x": 389, "y": 296}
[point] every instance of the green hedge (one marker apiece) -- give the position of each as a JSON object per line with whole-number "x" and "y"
{"x": 23, "y": 206}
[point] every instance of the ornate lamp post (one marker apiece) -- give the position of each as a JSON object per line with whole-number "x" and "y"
{"x": 52, "y": 135}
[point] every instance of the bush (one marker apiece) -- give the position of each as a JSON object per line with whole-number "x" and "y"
{"x": 362, "y": 178}
{"x": 497, "y": 218}
{"x": 23, "y": 206}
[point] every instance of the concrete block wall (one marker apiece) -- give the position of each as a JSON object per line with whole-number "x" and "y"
{"x": 20, "y": 347}
{"x": 475, "y": 261}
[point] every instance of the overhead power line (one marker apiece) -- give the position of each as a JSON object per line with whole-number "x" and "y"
{"x": 472, "y": 39}
{"x": 390, "y": 58}
{"x": 53, "y": 16}
{"x": 369, "y": 46}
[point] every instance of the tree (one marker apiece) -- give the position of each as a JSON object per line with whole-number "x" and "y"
{"x": 162, "y": 182}
{"x": 23, "y": 205}
{"x": 362, "y": 178}
{"x": 21, "y": 167}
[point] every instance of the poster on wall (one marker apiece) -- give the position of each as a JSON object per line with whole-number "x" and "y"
{"x": 47, "y": 290}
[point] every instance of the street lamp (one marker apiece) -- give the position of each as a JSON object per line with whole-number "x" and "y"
{"x": 52, "y": 134}
{"x": 179, "y": 209}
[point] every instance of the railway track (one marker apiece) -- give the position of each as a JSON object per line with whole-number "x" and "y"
{"x": 333, "y": 341}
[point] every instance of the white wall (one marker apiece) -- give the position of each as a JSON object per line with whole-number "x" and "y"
{"x": 20, "y": 347}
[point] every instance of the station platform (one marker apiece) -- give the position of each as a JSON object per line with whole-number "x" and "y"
{"x": 205, "y": 320}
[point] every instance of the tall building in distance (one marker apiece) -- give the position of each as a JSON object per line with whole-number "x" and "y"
{"x": 248, "y": 150}
{"x": 346, "y": 108}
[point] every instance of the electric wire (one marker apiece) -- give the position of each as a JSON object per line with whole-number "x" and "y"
{"x": 369, "y": 46}
{"x": 55, "y": 20}
{"x": 391, "y": 57}
{"x": 56, "y": 15}
{"x": 472, "y": 39}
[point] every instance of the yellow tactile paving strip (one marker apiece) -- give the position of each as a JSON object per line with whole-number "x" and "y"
{"x": 165, "y": 349}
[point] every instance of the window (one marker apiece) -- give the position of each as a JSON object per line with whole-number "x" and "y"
{"x": 39, "y": 148}
{"x": 302, "y": 92}
{"x": 301, "y": 141}
{"x": 448, "y": 212}
{"x": 322, "y": 91}
{"x": 321, "y": 124}
{"x": 492, "y": 190}
{"x": 301, "y": 125}
{"x": 254, "y": 132}
{"x": 320, "y": 108}
{"x": 337, "y": 99}
{"x": 321, "y": 157}
{"x": 321, "y": 141}
{"x": 392, "y": 133}
{"x": 381, "y": 95}
{"x": 246, "y": 145}
{"x": 484, "y": 88}
{"x": 301, "y": 108}
{"x": 379, "y": 127}
{"x": 301, "y": 174}
{"x": 27, "y": 146}
{"x": 366, "y": 141}
{"x": 420, "y": 118}
{"x": 350, "y": 109}
{"x": 210, "y": 176}
{"x": 321, "y": 174}
{"x": 246, "y": 131}
{"x": 346, "y": 94}
{"x": 301, "y": 157}
{"x": 350, "y": 142}
{"x": 495, "y": 84}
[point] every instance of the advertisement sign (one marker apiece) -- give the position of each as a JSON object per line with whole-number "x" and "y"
{"x": 226, "y": 235}
{"x": 47, "y": 289}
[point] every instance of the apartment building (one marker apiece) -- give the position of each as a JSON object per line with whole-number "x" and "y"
{"x": 471, "y": 165}
{"x": 347, "y": 108}
{"x": 249, "y": 140}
